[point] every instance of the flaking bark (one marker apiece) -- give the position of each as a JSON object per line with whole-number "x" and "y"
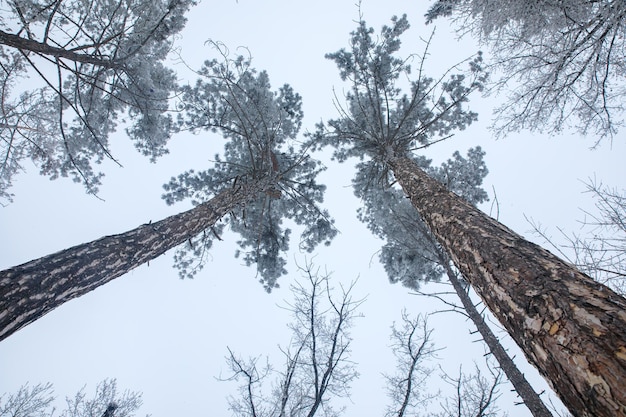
{"x": 572, "y": 328}
{"x": 30, "y": 290}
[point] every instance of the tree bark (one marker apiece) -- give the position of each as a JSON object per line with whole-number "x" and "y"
{"x": 30, "y": 290}
{"x": 572, "y": 328}
{"x": 523, "y": 388}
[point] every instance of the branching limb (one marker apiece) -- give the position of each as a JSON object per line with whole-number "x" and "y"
{"x": 317, "y": 365}
{"x": 413, "y": 348}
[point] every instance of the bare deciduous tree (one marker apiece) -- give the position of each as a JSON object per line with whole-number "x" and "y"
{"x": 475, "y": 394}
{"x": 318, "y": 367}
{"x": 28, "y": 401}
{"x": 317, "y": 361}
{"x": 599, "y": 249}
{"x": 413, "y": 348}
{"x": 559, "y": 61}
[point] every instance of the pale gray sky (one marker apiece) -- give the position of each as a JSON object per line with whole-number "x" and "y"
{"x": 167, "y": 337}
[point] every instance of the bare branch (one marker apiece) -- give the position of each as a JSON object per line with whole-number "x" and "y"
{"x": 413, "y": 348}
{"x": 599, "y": 249}
{"x": 475, "y": 394}
{"x": 317, "y": 365}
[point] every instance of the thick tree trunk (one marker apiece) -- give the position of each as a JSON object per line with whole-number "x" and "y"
{"x": 30, "y": 290}
{"x": 569, "y": 326}
{"x": 523, "y": 388}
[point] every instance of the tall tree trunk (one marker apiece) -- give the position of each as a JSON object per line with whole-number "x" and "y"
{"x": 572, "y": 328}
{"x": 523, "y": 388}
{"x": 30, "y": 290}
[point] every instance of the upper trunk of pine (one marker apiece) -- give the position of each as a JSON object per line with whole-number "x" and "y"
{"x": 30, "y": 290}
{"x": 570, "y": 327}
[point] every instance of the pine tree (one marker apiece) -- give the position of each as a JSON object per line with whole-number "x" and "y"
{"x": 260, "y": 180}
{"x": 411, "y": 254}
{"x": 569, "y": 326}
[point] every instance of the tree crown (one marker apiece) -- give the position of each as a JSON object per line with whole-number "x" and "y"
{"x": 379, "y": 120}
{"x": 261, "y": 126}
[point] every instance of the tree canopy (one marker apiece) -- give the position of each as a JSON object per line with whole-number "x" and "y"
{"x": 261, "y": 127}
{"x": 380, "y": 121}
{"x": 560, "y": 63}
{"x": 87, "y": 67}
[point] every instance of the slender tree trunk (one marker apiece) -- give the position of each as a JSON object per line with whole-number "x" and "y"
{"x": 572, "y": 328}
{"x": 30, "y": 290}
{"x": 523, "y": 388}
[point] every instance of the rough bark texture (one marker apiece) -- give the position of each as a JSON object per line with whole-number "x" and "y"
{"x": 570, "y": 327}
{"x": 30, "y": 290}
{"x": 523, "y": 388}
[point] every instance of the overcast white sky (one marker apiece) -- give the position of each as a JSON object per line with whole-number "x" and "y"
{"x": 167, "y": 337}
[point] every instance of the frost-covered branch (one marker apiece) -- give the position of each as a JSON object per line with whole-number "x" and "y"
{"x": 39, "y": 401}
{"x": 475, "y": 394}
{"x": 88, "y": 65}
{"x": 413, "y": 348}
{"x": 560, "y": 63}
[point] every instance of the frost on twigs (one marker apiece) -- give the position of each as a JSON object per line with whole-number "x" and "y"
{"x": 560, "y": 63}
{"x": 90, "y": 67}
{"x": 414, "y": 351}
{"x": 260, "y": 127}
{"x": 39, "y": 400}
{"x": 393, "y": 109}
{"x": 410, "y": 254}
